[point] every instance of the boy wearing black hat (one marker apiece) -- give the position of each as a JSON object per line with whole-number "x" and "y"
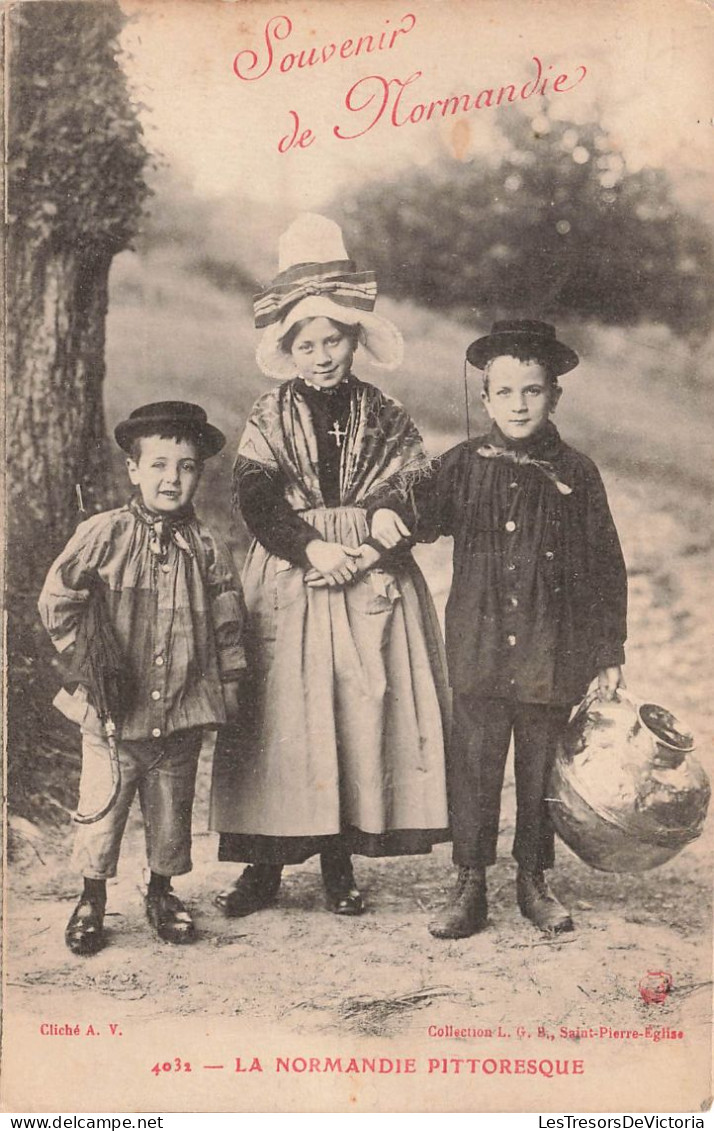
{"x": 537, "y": 609}
{"x": 166, "y": 586}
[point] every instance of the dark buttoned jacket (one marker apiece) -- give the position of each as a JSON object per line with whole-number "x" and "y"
{"x": 538, "y": 601}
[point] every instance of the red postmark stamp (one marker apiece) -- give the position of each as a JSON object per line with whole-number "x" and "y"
{"x": 655, "y": 986}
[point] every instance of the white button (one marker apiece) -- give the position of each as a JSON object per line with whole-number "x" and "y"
{"x": 513, "y": 484}
{"x": 155, "y": 694}
{"x": 514, "y": 602}
{"x": 549, "y": 555}
{"x": 512, "y": 682}
{"x": 510, "y": 566}
{"x": 166, "y": 567}
{"x": 511, "y": 640}
{"x": 510, "y": 525}
{"x": 159, "y": 661}
{"x": 156, "y": 732}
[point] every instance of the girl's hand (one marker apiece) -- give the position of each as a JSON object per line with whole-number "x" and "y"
{"x": 335, "y": 562}
{"x": 368, "y": 557}
{"x": 608, "y": 681}
{"x": 314, "y": 579}
{"x": 388, "y": 528}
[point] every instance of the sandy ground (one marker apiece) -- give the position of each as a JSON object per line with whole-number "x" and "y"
{"x": 300, "y": 969}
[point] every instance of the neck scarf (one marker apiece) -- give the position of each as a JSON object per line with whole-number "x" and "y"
{"x": 544, "y": 442}
{"x": 163, "y": 528}
{"x": 382, "y": 450}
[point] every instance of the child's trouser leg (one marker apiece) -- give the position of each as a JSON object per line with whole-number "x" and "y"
{"x": 480, "y": 738}
{"x": 96, "y": 850}
{"x": 166, "y": 793}
{"x": 537, "y": 728}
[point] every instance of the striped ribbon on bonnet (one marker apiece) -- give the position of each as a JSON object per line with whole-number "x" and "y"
{"x": 338, "y": 281}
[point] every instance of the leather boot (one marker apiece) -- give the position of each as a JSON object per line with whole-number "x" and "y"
{"x": 538, "y": 903}
{"x": 342, "y": 895}
{"x": 256, "y": 888}
{"x": 466, "y": 913}
{"x": 169, "y": 918}
{"x": 84, "y": 934}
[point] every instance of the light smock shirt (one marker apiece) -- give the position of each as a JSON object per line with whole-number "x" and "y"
{"x": 178, "y": 616}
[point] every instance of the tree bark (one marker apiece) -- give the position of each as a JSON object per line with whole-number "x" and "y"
{"x": 75, "y": 191}
{"x": 57, "y": 305}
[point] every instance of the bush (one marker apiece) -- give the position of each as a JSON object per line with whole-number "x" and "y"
{"x": 556, "y": 227}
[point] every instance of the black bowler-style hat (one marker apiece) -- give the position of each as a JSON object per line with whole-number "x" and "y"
{"x": 164, "y": 416}
{"x": 523, "y": 334}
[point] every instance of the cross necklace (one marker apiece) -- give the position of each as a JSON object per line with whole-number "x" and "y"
{"x": 337, "y": 432}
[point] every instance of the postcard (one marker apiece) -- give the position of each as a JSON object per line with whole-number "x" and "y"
{"x": 213, "y": 209}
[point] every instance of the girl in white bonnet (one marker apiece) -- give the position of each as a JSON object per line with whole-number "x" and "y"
{"x": 344, "y": 750}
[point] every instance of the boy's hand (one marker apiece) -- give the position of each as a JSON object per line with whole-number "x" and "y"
{"x": 608, "y": 681}
{"x": 231, "y": 700}
{"x": 388, "y": 528}
{"x": 368, "y": 557}
{"x": 333, "y": 561}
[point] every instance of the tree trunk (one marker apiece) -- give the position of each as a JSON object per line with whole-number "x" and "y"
{"x": 75, "y": 194}
{"x": 55, "y": 417}
{"x": 75, "y": 191}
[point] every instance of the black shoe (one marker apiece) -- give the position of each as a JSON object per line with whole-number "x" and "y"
{"x": 466, "y": 913}
{"x": 538, "y": 904}
{"x": 169, "y": 917}
{"x": 84, "y": 933}
{"x": 341, "y": 892}
{"x": 255, "y": 889}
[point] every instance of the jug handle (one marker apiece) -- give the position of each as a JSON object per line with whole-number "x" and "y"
{"x": 592, "y": 695}
{"x": 666, "y": 757}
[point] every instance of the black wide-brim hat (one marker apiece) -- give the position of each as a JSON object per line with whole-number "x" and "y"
{"x": 165, "y": 416}
{"x": 538, "y": 338}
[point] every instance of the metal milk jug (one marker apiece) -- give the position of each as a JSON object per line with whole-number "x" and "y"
{"x": 626, "y": 793}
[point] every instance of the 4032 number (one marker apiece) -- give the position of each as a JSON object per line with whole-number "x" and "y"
{"x": 175, "y": 1065}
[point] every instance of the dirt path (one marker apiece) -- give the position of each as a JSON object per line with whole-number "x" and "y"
{"x": 300, "y": 968}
